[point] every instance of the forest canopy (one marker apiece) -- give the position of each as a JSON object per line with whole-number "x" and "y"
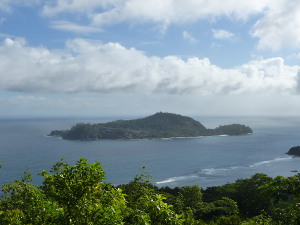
{"x": 78, "y": 194}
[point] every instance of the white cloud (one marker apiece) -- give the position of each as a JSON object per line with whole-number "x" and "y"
{"x": 91, "y": 66}
{"x": 190, "y": 38}
{"x": 78, "y": 6}
{"x": 280, "y": 26}
{"x": 277, "y": 28}
{"x": 170, "y": 11}
{"x": 69, "y": 26}
{"x": 166, "y": 12}
{"x": 223, "y": 34}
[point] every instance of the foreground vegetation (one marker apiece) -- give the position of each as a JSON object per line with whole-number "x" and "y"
{"x": 77, "y": 194}
{"x": 159, "y": 125}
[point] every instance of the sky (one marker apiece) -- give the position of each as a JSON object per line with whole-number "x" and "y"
{"x": 138, "y": 57}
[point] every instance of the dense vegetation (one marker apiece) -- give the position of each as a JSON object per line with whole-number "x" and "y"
{"x": 77, "y": 194}
{"x": 159, "y": 125}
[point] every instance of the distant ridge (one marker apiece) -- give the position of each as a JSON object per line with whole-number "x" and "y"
{"x": 159, "y": 125}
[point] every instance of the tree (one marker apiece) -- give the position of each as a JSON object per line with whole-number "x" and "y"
{"x": 284, "y": 195}
{"x": 24, "y": 203}
{"x": 146, "y": 205}
{"x": 224, "y": 207}
{"x": 191, "y": 196}
{"x": 81, "y": 194}
{"x": 69, "y": 195}
{"x": 77, "y": 195}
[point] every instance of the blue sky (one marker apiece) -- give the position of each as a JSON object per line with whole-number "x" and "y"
{"x": 137, "y": 57}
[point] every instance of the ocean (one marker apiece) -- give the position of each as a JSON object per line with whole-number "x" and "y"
{"x": 204, "y": 161}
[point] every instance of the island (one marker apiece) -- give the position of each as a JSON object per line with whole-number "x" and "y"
{"x": 294, "y": 151}
{"x": 157, "y": 126}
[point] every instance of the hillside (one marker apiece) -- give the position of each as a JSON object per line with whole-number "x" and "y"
{"x": 159, "y": 125}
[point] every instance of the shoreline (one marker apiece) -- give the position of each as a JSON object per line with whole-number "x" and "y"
{"x": 135, "y": 139}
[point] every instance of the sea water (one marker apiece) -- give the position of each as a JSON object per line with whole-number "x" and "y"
{"x": 204, "y": 161}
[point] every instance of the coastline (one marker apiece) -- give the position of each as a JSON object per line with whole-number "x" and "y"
{"x": 137, "y": 139}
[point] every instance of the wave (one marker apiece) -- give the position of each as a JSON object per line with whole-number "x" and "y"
{"x": 174, "y": 179}
{"x": 270, "y": 161}
{"x": 221, "y": 171}
{"x": 216, "y": 171}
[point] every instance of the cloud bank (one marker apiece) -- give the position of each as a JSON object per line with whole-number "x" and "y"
{"x": 277, "y": 26}
{"x": 280, "y": 26}
{"x": 91, "y": 66}
{"x": 169, "y": 11}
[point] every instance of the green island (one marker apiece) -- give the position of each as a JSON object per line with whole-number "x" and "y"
{"x": 78, "y": 195}
{"x": 159, "y": 125}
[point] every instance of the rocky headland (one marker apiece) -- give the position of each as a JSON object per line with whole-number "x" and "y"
{"x": 294, "y": 151}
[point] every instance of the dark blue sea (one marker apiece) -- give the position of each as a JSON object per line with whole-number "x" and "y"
{"x": 205, "y": 161}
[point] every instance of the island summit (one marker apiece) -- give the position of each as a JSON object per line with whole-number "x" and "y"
{"x": 159, "y": 125}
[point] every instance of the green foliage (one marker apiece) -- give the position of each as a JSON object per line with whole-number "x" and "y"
{"x": 69, "y": 195}
{"x": 157, "y": 211}
{"x": 82, "y": 195}
{"x": 183, "y": 198}
{"x": 23, "y": 203}
{"x": 220, "y": 208}
{"x": 233, "y": 129}
{"x": 76, "y": 195}
{"x": 191, "y": 197}
{"x": 139, "y": 187}
{"x": 187, "y": 218}
{"x": 146, "y": 205}
{"x": 251, "y": 199}
{"x": 228, "y": 220}
{"x": 262, "y": 220}
{"x": 284, "y": 194}
{"x": 69, "y": 184}
{"x": 81, "y": 131}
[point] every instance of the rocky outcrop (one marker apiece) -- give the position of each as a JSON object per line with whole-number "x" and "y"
{"x": 294, "y": 151}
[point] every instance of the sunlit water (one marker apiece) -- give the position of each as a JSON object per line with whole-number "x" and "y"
{"x": 206, "y": 161}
